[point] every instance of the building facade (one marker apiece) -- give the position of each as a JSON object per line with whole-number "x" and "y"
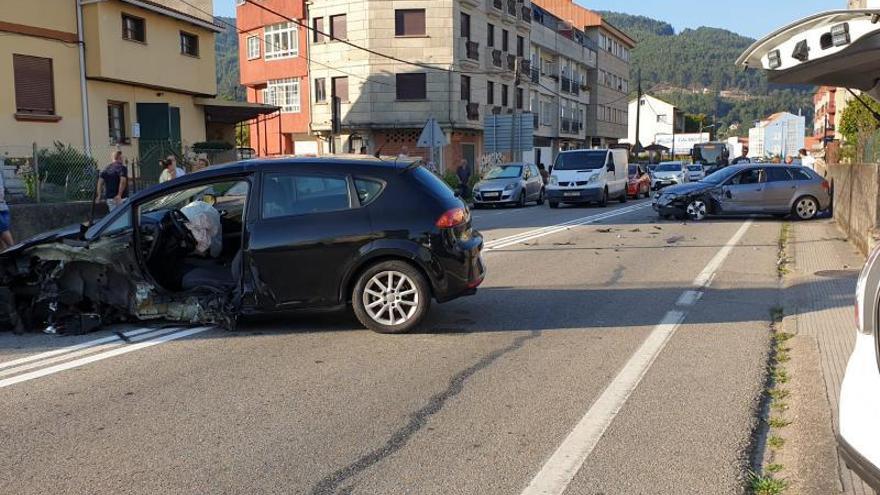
{"x": 274, "y": 69}
{"x": 825, "y": 106}
{"x": 780, "y": 135}
{"x": 656, "y": 118}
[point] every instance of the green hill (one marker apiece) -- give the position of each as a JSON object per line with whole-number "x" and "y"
{"x": 226, "y": 45}
{"x": 695, "y": 70}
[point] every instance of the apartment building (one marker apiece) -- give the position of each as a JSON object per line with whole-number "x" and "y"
{"x": 139, "y": 76}
{"x": 611, "y": 82}
{"x": 562, "y": 61}
{"x": 274, "y": 69}
{"x": 657, "y": 119}
{"x": 779, "y": 135}
{"x": 825, "y": 105}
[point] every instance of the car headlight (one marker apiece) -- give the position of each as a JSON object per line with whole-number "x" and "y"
{"x": 593, "y": 178}
{"x": 554, "y": 181}
{"x": 510, "y": 187}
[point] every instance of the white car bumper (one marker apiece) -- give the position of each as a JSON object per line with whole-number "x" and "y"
{"x": 859, "y": 441}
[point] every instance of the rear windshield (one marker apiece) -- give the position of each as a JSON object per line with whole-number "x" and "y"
{"x": 433, "y": 183}
{"x": 580, "y": 160}
{"x": 669, "y": 167}
{"x": 695, "y": 168}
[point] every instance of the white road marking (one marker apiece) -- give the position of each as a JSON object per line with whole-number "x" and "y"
{"x": 142, "y": 334}
{"x": 63, "y": 350}
{"x": 567, "y": 460}
{"x": 689, "y": 298}
{"x": 101, "y": 356}
{"x": 561, "y": 227}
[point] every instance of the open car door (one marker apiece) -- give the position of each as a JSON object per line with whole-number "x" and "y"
{"x": 836, "y": 48}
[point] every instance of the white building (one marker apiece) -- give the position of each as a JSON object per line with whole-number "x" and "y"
{"x": 657, "y": 118}
{"x": 781, "y": 134}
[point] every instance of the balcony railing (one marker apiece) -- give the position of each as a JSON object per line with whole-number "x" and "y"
{"x": 526, "y": 13}
{"x": 473, "y": 111}
{"x": 536, "y": 75}
{"x": 472, "y": 50}
{"x": 511, "y": 62}
{"x": 565, "y": 125}
{"x": 496, "y": 57}
{"x": 534, "y": 121}
{"x": 511, "y": 7}
{"x": 498, "y": 4}
{"x": 525, "y": 66}
{"x": 566, "y": 84}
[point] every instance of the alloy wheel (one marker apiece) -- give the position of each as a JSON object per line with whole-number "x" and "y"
{"x": 391, "y": 298}
{"x": 696, "y": 209}
{"x": 806, "y": 208}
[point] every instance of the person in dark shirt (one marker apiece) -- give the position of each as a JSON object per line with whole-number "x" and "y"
{"x": 744, "y": 158}
{"x": 113, "y": 183}
{"x": 464, "y": 176}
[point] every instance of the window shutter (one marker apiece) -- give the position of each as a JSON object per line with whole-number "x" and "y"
{"x": 34, "y": 90}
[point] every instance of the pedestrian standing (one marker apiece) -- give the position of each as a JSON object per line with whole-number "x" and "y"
{"x": 171, "y": 170}
{"x": 6, "y": 240}
{"x": 744, "y": 158}
{"x": 789, "y": 160}
{"x": 464, "y": 176}
{"x": 113, "y": 183}
{"x": 201, "y": 164}
{"x": 807, "y": 160}
{"x": 545, "y": 176}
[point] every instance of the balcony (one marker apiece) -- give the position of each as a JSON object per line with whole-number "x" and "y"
{"x": 473, "y": 111}
{"x": 526, "y": 13}
{"x": 469, "y": 54}
{"x": 511, "y": 7}
{"x": 511, "y": 62}
{"x": 495, "y": 109}
{"x": 534, "y": 121}
{"x": 566, "y": 84}
{"x": 495, "y": 56}
{"x": 472, "y": 50}
{"x": 536, "y": 75}
{"x": 498, "y": 4}
{"x": 472, "y": 3}
{"x": 525, "y": 66}
{"x": 565, "y": 126}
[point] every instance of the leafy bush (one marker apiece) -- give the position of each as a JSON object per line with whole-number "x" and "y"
{"x": 452, "y": 180}
{"x": 68, "y": 168}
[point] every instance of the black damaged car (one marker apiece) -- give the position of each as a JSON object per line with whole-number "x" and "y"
{"x": 254, "y": 237}
{"x": 762, "y": 189}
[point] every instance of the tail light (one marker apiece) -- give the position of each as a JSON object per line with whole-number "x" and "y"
{"x": 826, "y": 186}
{"x": 452, "y": 218}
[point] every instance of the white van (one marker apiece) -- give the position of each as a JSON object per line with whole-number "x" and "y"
{"x": 588, "y": 176}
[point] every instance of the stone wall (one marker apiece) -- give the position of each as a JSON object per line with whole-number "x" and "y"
{"x": 857, "y": 202}
{"x": 31, "y": 219}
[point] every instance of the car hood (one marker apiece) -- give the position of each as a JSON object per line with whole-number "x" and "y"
{"x": 576, "y": 175}
{"x": 664, "y": 175}
{"x": 689, "y": 188}
{"x": 496, "y": 183}
{"x": 57, "y": 235}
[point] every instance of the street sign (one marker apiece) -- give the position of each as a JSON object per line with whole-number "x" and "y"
{"x": 684, "y": 143}
{"x": 432, "y": 136}
{"x": 508, "y": 133}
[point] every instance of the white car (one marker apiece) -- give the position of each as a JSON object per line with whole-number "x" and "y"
{"x": 669, "y": 174}
{"x": 841, "y": 48}
{"x": 696, "y": 172}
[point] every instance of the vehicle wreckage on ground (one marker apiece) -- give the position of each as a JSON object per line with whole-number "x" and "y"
{"x": 253, "y": 237}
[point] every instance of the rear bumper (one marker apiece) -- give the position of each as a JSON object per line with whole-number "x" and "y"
{"x": 462, "y": 270}
{"x": 586, "y": 195}
{"x": 859, "y": 437}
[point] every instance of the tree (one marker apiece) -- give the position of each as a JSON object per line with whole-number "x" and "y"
{"x": 858, "y": 124}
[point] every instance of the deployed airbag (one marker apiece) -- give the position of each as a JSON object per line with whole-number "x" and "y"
{"x": 204, "y": 223}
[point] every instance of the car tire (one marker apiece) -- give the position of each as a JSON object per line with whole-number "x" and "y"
{"x": 604, "y": 201}
{"x": 554, "y": 204}
{"x": 540, "y": 200}
{"x": 521, "y": 202}
{"x": 624, "y": 197}
{"x": 697, "y": 210}
{"x": 805, "y": 208}
{"x": 407, "y": 288}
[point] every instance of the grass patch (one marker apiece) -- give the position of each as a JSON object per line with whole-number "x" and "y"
{"x": 780, "y": 375}
{"x": 766, "y": 484}
{"x": 778, "y": 422}
{"x": 779, "y": 406}
{"x": 775, "y": 442}
{"x": 774, "y": 468}
{"x": 779, "y": 394}
{"x": 782, "y": 357}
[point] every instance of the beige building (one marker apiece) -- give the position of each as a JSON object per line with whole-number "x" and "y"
{"x": 134, "y": 75}
{"x": 467, "y": 52}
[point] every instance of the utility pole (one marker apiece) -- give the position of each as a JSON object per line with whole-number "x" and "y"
{"x": 639, "y": 114}
{"x": 515, "y": 153}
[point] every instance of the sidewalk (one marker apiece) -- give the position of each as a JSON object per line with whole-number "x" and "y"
{"x": 819, "y": 294}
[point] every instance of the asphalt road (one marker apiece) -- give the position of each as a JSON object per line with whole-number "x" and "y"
{"x": 613, "y": 354}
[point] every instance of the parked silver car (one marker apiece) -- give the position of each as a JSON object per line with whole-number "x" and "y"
{"x": 510, "y": 183}
{"x": 668, "y": 174}
{"x": 696, "y": 172}
{"x": 777, "y": 190}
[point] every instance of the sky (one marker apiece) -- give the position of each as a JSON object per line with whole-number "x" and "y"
{"x": 754, "y": 18}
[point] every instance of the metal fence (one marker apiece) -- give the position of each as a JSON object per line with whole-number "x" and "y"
{"x": 62, "y": 172}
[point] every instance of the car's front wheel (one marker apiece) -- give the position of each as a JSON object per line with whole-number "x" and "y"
{"x": 696, "y": 210}
{"x": 806, "y": 208}
{"x": 391, "y": 297}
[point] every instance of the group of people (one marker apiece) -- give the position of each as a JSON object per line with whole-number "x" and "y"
{"x": 805, "y": 158}
{"x": 113, "y": 183}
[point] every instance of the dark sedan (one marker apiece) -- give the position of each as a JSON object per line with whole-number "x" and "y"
{"x": 254, "y": 237}
{"x": 748, "y": 189}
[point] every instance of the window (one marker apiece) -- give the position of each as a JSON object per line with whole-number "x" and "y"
{"x": 286, "y": 195}
{"x": 465, "y": 26}
{"x": 134, "y": 28}
{"x": 367, "y": 190}
{"x": 490, "y": 35}
{"x": 318, "y": 26}
{"x": 777, "y": 174}
{"x": 505, "y": 40}
{"x": 751, "y": 176}
{"x": 253, "y": 47}
{"x": 466, "y": 88}
{"x": 409, "y": 22}
{"x": 116, "y": 122}
{"x": 519, "y": 98}
{"x": 320, "y": 90}
{"x": 800, "y": 174}
{"x": 490, "y": 93}
{"x": 340, "y": 88}
{"x": 281, "y": 41}
{"x": 412, "y": 86}
{"x": 34, "y": 85}
{"x": 189, "y": 44}
{"x": 338, "y": 27}
{"x": 520, "y": 46}
{"x": 504, "y": 90}
{"x": 283, "y": 93}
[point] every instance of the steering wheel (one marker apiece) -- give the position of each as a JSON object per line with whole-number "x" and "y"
{"x": 178, "y": 221}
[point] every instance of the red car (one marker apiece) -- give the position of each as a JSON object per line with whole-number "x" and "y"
{"x": 639, "y": 183}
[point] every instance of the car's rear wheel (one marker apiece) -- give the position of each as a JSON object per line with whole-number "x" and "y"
{"x": 603, "y": 202}
{"x": 391, "y": 297}
{"x": 554, "y": 204}
{"x": 540, "y": 197}
{"x": 624, "y": 197}
{"x": 806, "y": 208}
{"x": 521, "y": 202}
{"x": 696, "y": 210}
